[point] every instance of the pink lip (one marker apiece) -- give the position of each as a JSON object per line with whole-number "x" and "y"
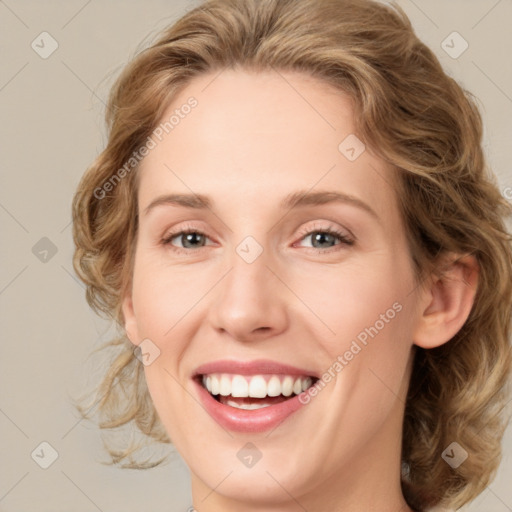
{"x": 259, "y": 366}
{"x": 241, "y": 420}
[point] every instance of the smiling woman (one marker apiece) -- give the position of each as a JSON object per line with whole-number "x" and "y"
{"x": 313, "y": 266}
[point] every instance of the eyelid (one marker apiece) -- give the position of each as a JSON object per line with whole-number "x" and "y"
{"x": 333, "y": 228}
{"x": 186, "y": 228}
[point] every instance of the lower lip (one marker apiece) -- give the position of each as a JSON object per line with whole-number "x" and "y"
{"x": 243, "y": 420}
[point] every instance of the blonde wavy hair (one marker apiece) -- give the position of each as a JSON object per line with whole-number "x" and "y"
{"x": 412, "y": 115}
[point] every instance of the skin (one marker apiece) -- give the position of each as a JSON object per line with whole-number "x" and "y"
{"x": 252, "y": 140}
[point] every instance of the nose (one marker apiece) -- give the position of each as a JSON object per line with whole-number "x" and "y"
{"x": 251, "y": 301}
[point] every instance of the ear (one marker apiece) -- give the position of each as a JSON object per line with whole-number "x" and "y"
{"x": 447, "y": 301}
{"x": 130, "y": 322}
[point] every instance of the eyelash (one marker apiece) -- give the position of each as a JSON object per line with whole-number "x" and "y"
{"x": 342, "y": 237}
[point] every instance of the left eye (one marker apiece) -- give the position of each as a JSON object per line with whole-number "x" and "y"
{"x": 327, "y": 236}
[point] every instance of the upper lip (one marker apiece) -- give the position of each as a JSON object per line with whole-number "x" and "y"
{"x": 256, "y": 367}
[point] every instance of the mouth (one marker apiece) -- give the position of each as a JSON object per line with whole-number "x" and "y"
{"x": 251, "y": 392}
{"x": 252, "y": 396}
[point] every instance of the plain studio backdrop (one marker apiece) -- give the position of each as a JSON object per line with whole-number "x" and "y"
{"x": 52, "y": 96}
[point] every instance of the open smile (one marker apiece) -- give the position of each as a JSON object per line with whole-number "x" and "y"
{"x": 251, "y": 402}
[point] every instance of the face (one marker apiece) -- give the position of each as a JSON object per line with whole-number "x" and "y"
{"x": 293, "y": 271}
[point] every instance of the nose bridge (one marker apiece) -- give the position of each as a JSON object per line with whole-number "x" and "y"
{"x": 250, "y": 297}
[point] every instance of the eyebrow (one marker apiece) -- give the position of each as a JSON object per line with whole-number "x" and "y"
{"x": 292, "y": 201}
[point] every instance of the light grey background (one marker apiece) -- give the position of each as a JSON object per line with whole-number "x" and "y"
{"x": 52, "y": 128}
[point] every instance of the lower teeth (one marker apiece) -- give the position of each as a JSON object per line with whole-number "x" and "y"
{"x": 232, "y": 403}
{"x": 250, "y": 403}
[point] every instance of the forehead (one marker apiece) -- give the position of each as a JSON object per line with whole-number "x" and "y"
{"x": 253, "y": 136}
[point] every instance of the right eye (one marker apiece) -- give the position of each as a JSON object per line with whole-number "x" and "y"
{"x": 190, "y": 239}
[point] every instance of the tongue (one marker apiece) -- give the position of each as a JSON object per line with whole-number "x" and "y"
{"x": 268, "y": 400}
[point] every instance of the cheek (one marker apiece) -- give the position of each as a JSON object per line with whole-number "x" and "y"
{"x": 358, "y": 301}
{"x": 370, "y": 309}
{"x": 162, "y": 296}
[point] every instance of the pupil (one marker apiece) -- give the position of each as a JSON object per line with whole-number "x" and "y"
{"x": 190, "y": 237}
{"x": 320, "y": 237}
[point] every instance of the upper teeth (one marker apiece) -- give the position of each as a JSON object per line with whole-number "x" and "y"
{"x": 256, "y": 386}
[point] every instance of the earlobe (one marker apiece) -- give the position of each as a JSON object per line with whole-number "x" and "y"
{"x": 130, "y": 323}
{"x": 447, "y": 301}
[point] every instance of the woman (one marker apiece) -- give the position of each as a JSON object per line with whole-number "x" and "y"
{"x": 294, "y": 227}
